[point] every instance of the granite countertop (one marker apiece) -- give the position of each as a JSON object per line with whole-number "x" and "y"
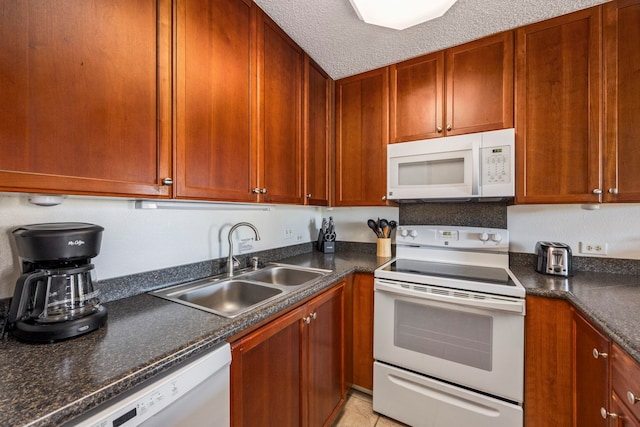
{"x": 609, "y": 301}
{"x": 50, "y": 384}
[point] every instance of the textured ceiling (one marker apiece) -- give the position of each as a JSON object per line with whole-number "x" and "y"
{"x": 331, "y": 33}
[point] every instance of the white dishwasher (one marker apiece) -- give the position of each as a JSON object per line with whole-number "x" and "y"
{"x": 196, "y": 394}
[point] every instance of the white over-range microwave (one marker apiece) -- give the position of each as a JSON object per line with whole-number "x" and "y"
{"x": 464, "y": 167}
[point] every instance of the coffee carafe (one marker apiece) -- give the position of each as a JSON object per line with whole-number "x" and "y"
{"x": 54, "y": 298}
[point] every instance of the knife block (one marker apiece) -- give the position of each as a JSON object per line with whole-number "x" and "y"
{"x": 326, "y": 246}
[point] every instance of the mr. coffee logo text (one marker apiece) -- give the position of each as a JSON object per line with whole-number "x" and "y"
{"x": 75, "y": 243}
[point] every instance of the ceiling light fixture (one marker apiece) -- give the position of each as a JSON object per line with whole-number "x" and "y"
{"x": 400, "y": 14}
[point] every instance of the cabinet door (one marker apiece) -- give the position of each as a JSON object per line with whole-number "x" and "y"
{"x": 548, "y": 384}
{"x": 362, "y": 104}
{"x": 591, "y": 382}
{"x": 416, "y": 96}
{"x": 558, "y": 106}
{"x": 279, "y": 114}
{"x": 85, "y": 88}
{"x": 317, "y": 123}
{"x": 625, "y": 380}
{"x": 480, "y": 85}
{"x": 326, "y": 381}
{"x": 622, "y": 109}
{"x": 266, "y": 382}
{"x": 214, "y": 159}
{"x": 363, "y": 331}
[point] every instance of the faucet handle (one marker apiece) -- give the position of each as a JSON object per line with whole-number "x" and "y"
{"x": 236, "y": 262}
{"x": 255, "y": 262}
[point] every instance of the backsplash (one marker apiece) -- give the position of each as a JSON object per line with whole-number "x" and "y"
{"x": 471, "y": 214}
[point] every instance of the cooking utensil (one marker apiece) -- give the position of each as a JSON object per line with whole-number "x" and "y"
{"x": 374, "y": 226}
{"x": 392, "y": 226}
{"x": 384, "y": 226}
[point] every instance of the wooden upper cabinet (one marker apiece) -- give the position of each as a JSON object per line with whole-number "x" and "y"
{"x": 622, "y": 106}
{"x": 214, "y": 156}
{"x": 279, "y": 114}
{"x": 478, "y": 78}
{"x": 480, "y": 85}
{"x": 558, "y": 78}
{"x": 85, "y": 88}
{"x": 317, "y": 134}
{"x": 361, "y": 138}
{"x": 416, "y": 98}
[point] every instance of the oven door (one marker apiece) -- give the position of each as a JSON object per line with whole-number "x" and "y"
{"x": 472, "y": 339}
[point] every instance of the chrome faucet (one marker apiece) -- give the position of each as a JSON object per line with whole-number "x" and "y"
{"x": 231, "y": 259}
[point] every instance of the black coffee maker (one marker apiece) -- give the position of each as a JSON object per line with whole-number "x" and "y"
{"x": 54, "y": 298}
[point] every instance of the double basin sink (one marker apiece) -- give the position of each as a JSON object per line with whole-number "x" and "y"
{"x": 232, "y": 296}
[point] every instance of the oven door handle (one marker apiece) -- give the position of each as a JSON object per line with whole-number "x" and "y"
{"x": 515, "y": 306}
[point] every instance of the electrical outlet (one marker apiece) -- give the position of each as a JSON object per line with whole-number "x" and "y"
{"x": 288, "y": 232}
{"x": 594, "y": 248}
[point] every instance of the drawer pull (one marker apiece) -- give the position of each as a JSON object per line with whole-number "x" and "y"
{"x": 632, "y": 398}
{"x": 605, "y": 414}
{"x": 597, "y": 354}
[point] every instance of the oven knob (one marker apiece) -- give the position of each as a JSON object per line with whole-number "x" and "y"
{"x": 404, "y": 232}
{"x": 414, "y": 233}
{"x": 496, "y": 237}
{"x": 484, "y": 237}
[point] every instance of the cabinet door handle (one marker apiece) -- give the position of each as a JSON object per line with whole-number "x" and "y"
{"x": 384, "y": 198}
{"x": 314, "y": 315}
{"x": 597, "y": 354}
{"x": 448, "y": 126}
{"x": 632, "y": 398}
{"x": 605, "y": 414}
{"x": 256, "y": 190}
{"x": 439, "y": 129}
{"x": 263, "y": 191}
{"x": 307, "y": 319}
{"x": 597, "y": 191}
{"x": 167, "y": 181}
{"x": 613, "y": 190}
{"x": 309, "y": 196}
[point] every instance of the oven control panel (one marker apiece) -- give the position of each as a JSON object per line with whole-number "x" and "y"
{"x": 476, "y": 238}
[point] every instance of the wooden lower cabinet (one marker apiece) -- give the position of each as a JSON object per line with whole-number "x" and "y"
{"x": 548, "y": 363}
{"x": 290, "y": 372}
{"x": 362, "y": 362}
{"x": 592, "y": 377}
{"x": 625, "y": 389}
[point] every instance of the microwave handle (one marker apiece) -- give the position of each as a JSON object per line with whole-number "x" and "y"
{"x": 476, "y": 165}
{"x": 489, "y": 304}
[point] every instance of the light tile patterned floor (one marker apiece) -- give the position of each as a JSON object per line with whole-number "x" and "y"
{"x": 358, "y": 412}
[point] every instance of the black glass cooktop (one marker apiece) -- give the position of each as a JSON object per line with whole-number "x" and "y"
{"x": 495, "y": 276}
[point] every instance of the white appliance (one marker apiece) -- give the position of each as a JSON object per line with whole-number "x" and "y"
{"x": 473, "y": 166}
{"x": 449, "y": 330}
{"x": 196, "y": 394}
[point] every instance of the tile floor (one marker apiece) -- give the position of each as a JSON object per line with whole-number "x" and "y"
{"x": 358, "y": 412}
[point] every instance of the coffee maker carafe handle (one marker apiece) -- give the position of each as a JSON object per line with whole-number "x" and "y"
{"x": 22, "y": 293}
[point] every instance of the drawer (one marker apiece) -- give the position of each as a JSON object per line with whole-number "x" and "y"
{"x": 625, "y": 379}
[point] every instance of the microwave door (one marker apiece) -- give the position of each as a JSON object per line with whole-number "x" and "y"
{"x": 434, "y": 175}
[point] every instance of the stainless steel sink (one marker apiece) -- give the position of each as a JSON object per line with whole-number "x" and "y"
{"x": 230, "y": 297}
{"x": 284, "y": 275}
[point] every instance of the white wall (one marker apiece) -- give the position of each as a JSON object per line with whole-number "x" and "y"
{"x": 618, "y": 225}
{"x": 138, "y": 240}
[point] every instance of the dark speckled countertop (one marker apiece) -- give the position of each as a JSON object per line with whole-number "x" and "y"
{"x": 50, "y": 384}
{"x": 610, "y": 301}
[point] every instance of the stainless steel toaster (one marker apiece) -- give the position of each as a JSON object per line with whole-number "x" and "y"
{"x": 554, "y": 258}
